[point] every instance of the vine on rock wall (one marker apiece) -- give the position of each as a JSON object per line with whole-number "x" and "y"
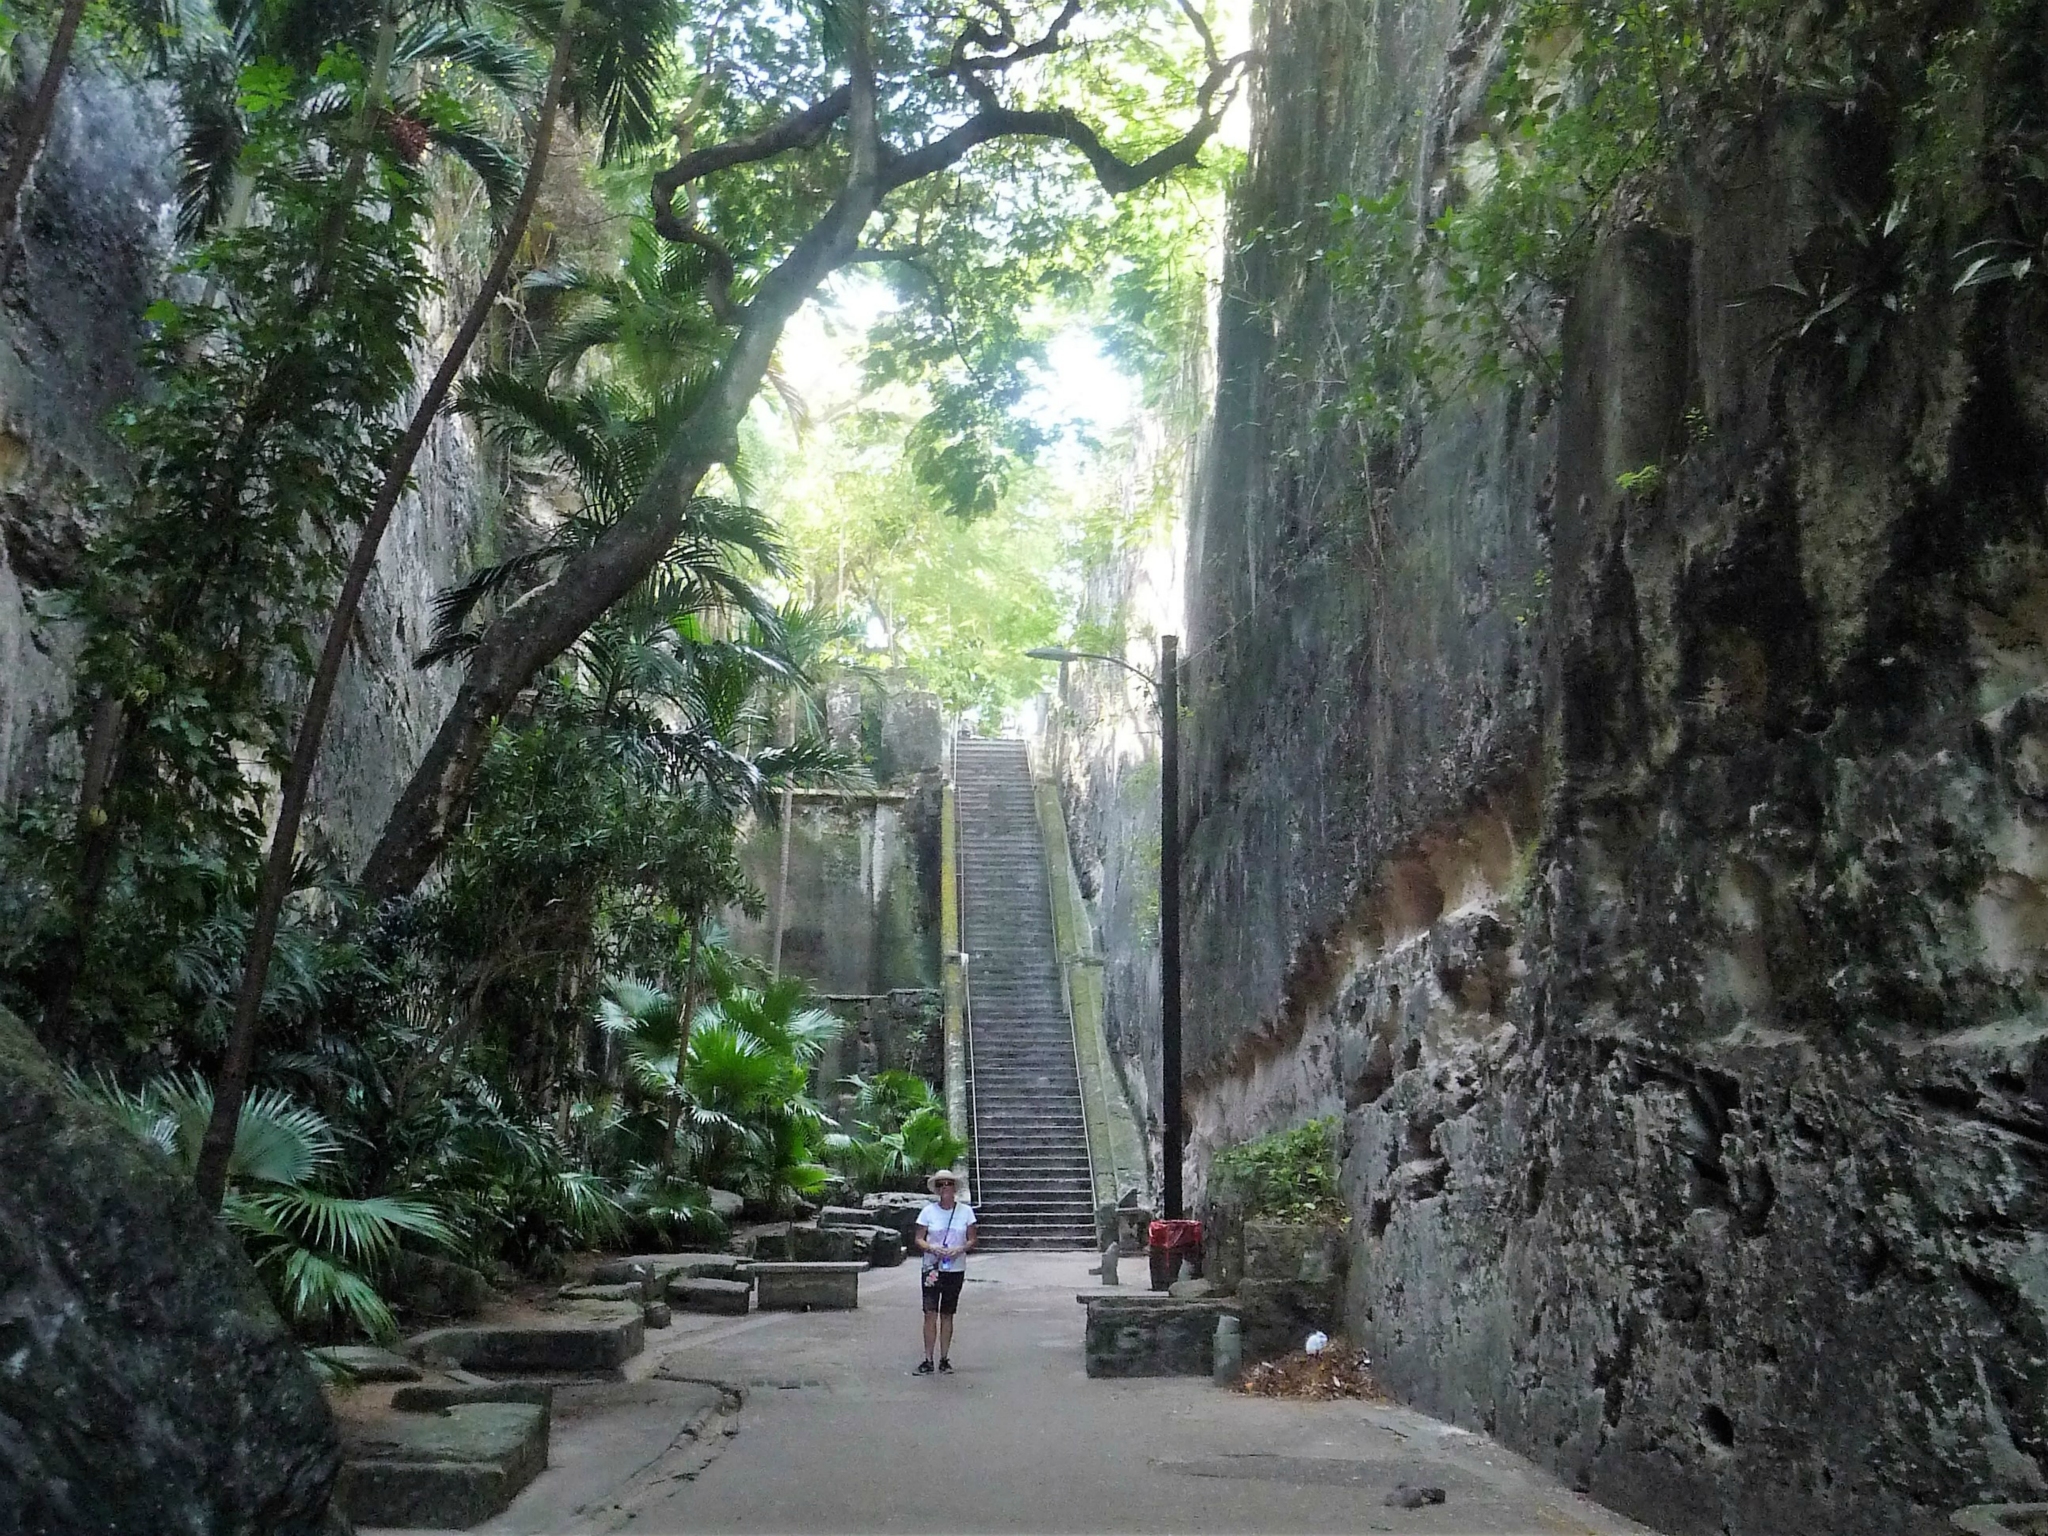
{"x": 1600, "y": 112}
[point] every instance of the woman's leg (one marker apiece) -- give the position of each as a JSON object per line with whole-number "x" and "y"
{"x": 950, "y": 1288}
{"x": 931, "y": 1329}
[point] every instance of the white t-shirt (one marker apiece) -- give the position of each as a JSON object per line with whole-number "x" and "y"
{"x": 947, "y": 1229}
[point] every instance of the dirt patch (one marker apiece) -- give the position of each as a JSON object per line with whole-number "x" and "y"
{"x": 1338, "y": 1372}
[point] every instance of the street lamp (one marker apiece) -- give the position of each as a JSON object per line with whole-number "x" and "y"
{"x": 1166, "y": 689}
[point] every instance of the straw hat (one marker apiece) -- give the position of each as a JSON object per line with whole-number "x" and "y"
{"x": 958, "y": 1181}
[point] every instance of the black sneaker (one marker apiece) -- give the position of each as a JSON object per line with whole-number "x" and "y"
{"x": 945, "y": 1367}
{"x": 924, "y": 1368}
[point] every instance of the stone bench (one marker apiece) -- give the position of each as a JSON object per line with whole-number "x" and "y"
{"x": 800, "y": 1287}
{"x": 1144, "y": 1333}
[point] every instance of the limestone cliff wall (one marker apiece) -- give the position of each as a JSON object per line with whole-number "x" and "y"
{"x": 1100, "y": 744}
{"x": 1652, "y": 881}
{"x": 96, "y": 224}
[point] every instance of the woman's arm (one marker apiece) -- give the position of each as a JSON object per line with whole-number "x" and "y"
{"x": 924, "y": 1232}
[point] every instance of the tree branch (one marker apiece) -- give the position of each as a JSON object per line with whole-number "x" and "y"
{"x": 1116, "y": 174}
{"x": 799, "y": 130}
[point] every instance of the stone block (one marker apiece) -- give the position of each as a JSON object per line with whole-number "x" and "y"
{"x": 885, "y": 1247}
{"x": 807, "y": 1287}
{"x": 1278, "y": 1314}
{"x": 366, "y": 1362}
{"x": 896, "y": 1210}
{"x": 431, "y": 1287}
{"x": 442, "y": 1471}
{"x": 810, "y": 1244}
{"x": 704, "y": 1294}
{"x": 432, "y": 1397}
{"x": 582, "y": 1345}
{"x": 1146, "y": 1334}
{"x": 1311, "y": 1252}
{"x": 655, "y": 1314}
{"x": 712, "y": 1266}
{"x": 1133, "y": 1229}
{"x": 726, "y": 1205}
{"x": 768, "y": 1242}
{"x": 845, "y": 1216}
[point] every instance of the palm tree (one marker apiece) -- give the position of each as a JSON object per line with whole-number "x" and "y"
{"x": 605, "y": 66}
{"x": 734, "y": 1086}
{"x": 901, "y": 1132}
{"x": 316, "y": 1249}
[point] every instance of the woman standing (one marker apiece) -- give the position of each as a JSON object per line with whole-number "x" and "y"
{"x": 945, "y": 1233}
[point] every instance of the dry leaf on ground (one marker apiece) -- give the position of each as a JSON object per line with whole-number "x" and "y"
{"x": 1338, "y": 1372}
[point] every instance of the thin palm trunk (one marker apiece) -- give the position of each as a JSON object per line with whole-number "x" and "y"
{"x": 690, "y": 975}
{"x": 233, "y": 1085}
{"x": 35, "y": 128}
{"x": 95, "y": 858}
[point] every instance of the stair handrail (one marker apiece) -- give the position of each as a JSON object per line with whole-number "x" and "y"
{"x": 1059, "y": 956}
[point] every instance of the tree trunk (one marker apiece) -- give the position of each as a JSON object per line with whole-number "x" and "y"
{"x": 233, "y": 1084}
{"x": 544, "y": 623}
{"x": 95, "y": 836}
{"x": 690, "y": 975}
{"x": 35, "y": 128}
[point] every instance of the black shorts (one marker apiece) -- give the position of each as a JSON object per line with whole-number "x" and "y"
{"x": 944, "y": 1298}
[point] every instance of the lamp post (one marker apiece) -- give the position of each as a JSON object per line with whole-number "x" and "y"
{"x": 1166, "y": 689}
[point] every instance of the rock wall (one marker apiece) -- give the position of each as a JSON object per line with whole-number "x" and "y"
{"x": 1101, "y": 746}
{"x": 861, "y": 916}
{"x": 96, "y": 227}
{"x": 1652, "y": 880}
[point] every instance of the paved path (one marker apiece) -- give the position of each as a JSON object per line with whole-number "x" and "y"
{"x": 836, "y": 1435}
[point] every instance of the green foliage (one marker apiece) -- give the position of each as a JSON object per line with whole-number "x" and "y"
{"x": 1286, "y": 1176}
{"x": 900, "y": 1134}
{"x": 317, "y": 1250}
{"x": 730, "y": 1093}
{"x": 955, "y": 603}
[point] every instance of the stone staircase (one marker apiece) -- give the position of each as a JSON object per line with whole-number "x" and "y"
{"x": 1033, "y": 1187}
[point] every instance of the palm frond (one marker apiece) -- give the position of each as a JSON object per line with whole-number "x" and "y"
{"x": 507, "y": 64}
{"x": 361, "y": 1228}
{"x": 317, "y": 1288}
{"x": 495, "y": 167}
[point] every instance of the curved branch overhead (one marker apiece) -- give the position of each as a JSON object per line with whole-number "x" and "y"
{"x": 533, "y": 631}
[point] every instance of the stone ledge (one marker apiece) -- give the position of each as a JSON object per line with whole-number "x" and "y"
{"x": 434, "y": 1397}
{"x": 705, "y": 1294}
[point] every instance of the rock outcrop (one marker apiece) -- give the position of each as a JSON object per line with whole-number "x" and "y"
{"x": 1623, "y": 805}
{"x": 146, "y": 1384}
{"x": 95, "y": 249}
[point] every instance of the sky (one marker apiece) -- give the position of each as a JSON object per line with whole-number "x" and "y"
{"x": 821, "y": 356}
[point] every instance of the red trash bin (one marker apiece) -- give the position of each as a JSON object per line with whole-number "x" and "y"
{"x": 1171, "y": 1243}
